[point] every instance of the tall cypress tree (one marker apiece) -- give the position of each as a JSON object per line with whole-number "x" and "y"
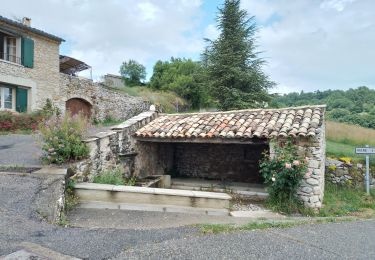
{"x": 234, "y": 69}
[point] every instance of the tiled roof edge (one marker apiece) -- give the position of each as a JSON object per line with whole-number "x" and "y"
{"x": 245, "y": 110}
{"x": 31, "y": 29}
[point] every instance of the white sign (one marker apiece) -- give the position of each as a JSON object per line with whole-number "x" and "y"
{"x": 365, "y": 150}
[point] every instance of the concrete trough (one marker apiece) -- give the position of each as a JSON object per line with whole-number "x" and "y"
{"x": 92, "y": 195}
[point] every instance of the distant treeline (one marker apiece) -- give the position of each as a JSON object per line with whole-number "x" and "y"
{"x": 353, "y": 106}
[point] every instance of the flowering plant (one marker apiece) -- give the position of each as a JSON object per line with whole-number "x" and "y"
{"x": 62, "y": 136}
{"x": 283, "y": 171}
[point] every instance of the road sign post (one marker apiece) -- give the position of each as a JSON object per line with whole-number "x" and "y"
{"x": 366, "y": 151}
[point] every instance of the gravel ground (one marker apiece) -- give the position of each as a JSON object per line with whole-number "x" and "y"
{"x": 354, "y": 240}
{"x": 19, "y": 223}
{"x": 19, "y": 150}
{"x": 141, "y": 220}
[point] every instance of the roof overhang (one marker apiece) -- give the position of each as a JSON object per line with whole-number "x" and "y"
{"x": 24, "y": 28}
{"x": 238, "y": 126}
{"x": 71, "y": 66}
{"x": 203, "y": 141}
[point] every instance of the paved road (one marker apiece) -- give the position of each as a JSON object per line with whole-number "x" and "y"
{"x": 20, "y": 223}
{"x": 19, "y": 150}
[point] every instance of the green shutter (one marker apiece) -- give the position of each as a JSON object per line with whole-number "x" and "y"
{"x": 27, "y": 52}
{"x": 21, "y": 100}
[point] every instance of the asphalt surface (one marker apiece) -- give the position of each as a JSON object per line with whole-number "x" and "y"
{"x": 20, "y": 223}
{"x": 20, "y": 150}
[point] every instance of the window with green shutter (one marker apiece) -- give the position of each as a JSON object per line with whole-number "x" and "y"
{"x": 21, "y": 100}
{"x": 27, "y": 52}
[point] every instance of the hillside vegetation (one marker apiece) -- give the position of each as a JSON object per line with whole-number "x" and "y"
{"x": 354, "y": 106}
{"x": 168, "y": 101}
{"x": 343, "y": 138}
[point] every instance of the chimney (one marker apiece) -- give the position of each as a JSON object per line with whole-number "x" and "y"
{"x": 26, "y": 21}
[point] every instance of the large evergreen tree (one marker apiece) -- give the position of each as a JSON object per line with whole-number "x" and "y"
{"x": 233, "y": 66}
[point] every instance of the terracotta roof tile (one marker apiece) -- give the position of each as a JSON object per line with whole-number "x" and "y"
{"x": 240, "y": 124}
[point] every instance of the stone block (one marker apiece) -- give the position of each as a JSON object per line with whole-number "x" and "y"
{"x": 312, "y": 182}
{"x": 314, "y": 199}
{"x": 314, "y": 164}
{"x": 307, "y": 189}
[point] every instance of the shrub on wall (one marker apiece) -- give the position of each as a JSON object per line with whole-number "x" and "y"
{"x": 11, "y": 121}
{"x": 62, "y": 136}
{"x": 283, "y": 172}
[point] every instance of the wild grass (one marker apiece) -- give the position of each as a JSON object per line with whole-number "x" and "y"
{"x": 108, "y": 121}
{"x": 342, "y": 139}
{"x": 349, "y": 134}
{"x": 167, "y": 100}
{"x": 226, "y": 228}
{"x": 347, "y": 201}
{"x": 261, "y": 225}
{"x": 113, "y": 177}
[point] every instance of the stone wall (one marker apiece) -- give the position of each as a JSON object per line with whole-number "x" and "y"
{"x": 104, "y": 102}
{"x": 153, "y": 158}
{"x": 42, "y": 81}
{"x": 311, "y": 191}
{"x": 342, "y": 173}
{"x": 107, "y": 148}
{"x": 232, "y": 162}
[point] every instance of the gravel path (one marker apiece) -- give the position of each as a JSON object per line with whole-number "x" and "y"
{"x": 19, "y": 223}
{"x": 19, "y": 150}
{"x": 354, "y": 240}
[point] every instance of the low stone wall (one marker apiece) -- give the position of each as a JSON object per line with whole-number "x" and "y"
{"x": 107, "y": 148}
{"x": 342, "y": 173}
{"x": 104, "y": 102}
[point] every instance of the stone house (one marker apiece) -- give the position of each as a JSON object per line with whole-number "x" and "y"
{"x": 228, "y": 145}
{"x": 29, "y": 65}
{"x": 224, "y": 146}
{"x": 113, "y": 81}
{"x": 32, "y": 71}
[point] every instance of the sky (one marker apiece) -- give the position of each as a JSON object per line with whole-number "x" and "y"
{"x": 308, "y": 45}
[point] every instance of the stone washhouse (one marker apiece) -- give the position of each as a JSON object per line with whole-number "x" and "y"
{"x": 225, "y": 146}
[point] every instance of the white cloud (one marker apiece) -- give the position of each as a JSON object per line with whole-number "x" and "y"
{"x": 309, "y": 44}
{"x": 106, "y": 33}
{"x": 338, "y": 5}
{"x": 318, "y": 44}
{"x": 211, "y": 32}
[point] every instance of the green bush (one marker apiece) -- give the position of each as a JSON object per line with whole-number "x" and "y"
{"x": 11, "y": 121}
{"x": 283, "y": 172}
{"x": 114, "y": 177}
{"x": 62, "y": 136}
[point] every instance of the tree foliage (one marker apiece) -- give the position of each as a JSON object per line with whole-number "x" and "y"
{"x": 233, "y": 65}
{"x": 354, "y": 106}
{"x": 183, "y": 76}
{"x": 133, "y": 73}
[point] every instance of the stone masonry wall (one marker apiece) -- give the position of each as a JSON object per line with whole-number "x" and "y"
{"x": 344, "y": 173}
{"x": 107, "y": 148}
{"x": 104, "y": 101}
{"x": 232, "y": 162}
{"x": 311, "y": 190}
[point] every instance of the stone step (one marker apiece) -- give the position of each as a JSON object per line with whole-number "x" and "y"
{"x": 243, "y": 193}
{"x": 126, "y": 197}
{"x": 152, "y": 207}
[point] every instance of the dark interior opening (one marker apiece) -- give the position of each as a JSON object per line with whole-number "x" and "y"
{"x": 210, "y": 161}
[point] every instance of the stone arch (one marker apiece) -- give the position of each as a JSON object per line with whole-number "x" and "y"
{"x": 76, "y": 105}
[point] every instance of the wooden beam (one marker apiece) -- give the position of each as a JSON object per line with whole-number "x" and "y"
{"x": 203, "y": 140}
